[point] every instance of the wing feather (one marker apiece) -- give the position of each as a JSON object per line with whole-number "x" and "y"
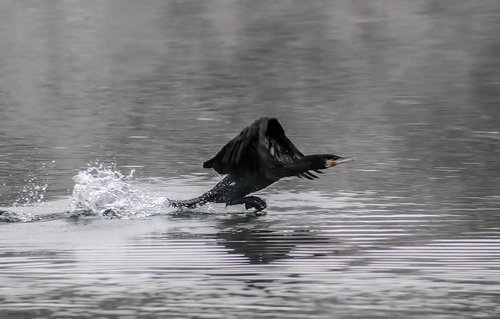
{"x": 262, "y": 145}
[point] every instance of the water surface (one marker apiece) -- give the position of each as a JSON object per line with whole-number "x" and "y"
{"x": 151, "y": 90}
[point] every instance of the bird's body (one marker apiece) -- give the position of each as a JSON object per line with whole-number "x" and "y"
{"x": 259, "y": 156}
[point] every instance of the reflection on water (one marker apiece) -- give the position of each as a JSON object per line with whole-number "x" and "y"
{"x": 360, "y": 258}
{"x": 260, "y": 244}
{"x": 411, "y": 229}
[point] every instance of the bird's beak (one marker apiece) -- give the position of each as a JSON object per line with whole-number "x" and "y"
{"x": 340, "y": 160}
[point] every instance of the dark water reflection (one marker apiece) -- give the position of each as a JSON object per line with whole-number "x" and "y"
{"x": 411, "y": 88}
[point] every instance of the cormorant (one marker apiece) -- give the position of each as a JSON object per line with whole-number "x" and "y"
{"x": 259, "y": 156}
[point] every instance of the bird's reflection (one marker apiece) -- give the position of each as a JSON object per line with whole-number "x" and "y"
{"x": 261, "y": 241}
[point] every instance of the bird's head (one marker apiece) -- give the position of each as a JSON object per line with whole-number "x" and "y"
{"x": 331, "y": 160}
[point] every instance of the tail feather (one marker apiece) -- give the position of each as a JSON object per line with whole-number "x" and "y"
{"x": 188, "y": 203}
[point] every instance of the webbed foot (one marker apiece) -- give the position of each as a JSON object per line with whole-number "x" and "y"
{"x": 251, "y": 202}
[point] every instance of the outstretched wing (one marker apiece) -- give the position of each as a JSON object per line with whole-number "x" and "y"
{"x": 261, "y": 146}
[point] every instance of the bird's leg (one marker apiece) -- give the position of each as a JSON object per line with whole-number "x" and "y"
{"x": 215, "y": 195}
{"x": 250, "y": 202}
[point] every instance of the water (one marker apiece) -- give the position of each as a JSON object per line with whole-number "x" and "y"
{"x": 115, "y": 104}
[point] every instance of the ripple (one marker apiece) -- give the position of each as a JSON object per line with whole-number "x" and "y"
{"x": 345, "y": 251}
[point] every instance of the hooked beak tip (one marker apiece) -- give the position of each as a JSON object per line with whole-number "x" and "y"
{"x": 330, "y": 163}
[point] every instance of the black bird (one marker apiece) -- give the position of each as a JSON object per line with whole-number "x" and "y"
{"x": 259, "y": 156}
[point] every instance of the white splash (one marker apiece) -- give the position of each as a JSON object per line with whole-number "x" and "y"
{"x": 32, "y": 192}
{"x": 103, "y": 190}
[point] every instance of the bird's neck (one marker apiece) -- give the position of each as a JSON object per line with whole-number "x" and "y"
{"x": 306, "y": 163}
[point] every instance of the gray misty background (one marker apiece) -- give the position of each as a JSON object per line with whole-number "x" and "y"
{"x": 410, "y": 88}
